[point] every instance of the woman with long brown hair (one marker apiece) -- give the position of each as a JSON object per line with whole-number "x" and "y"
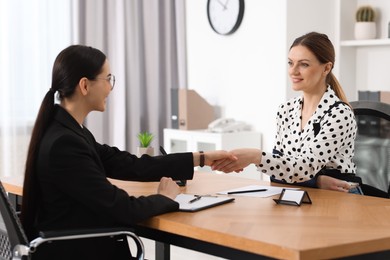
{"x": 66, "y": 186}
{"x": 315, "y": 131}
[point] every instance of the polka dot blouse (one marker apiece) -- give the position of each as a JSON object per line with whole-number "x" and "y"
{"x": 299, "y": 154}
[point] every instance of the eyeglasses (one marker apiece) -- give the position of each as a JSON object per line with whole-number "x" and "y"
{"x": 110, "y": 78}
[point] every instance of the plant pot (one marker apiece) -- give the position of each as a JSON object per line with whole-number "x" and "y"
{"x": 145, "y": 150}
{"x": 365, "y": 30}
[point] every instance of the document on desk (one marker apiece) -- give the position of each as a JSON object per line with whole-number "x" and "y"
{"x": 255, "y": 191}
{"x": 192, "y": 203}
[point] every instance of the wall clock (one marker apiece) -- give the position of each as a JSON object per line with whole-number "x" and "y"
{"x": 225, "y": 16}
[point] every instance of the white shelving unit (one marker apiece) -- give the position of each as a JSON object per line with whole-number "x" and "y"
{"x": 366, "y": 43}
{"x": 362, "y": 64}
{"x": 176, "y": 140}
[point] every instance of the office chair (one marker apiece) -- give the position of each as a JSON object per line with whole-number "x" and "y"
{"x": 372, "y": 146}
{"x": 14, "y": 243}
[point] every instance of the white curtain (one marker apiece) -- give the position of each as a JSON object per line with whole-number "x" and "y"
{"x": 145, "y": 44}
{"x": 32, "y": 34}
{"x": 144, "y": 41}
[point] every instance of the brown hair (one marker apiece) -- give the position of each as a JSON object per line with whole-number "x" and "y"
{"x": 320, "y": 45}
{"x": 71, "y": 64}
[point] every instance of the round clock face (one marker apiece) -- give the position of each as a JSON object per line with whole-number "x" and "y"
{"x": 225, "y": 16}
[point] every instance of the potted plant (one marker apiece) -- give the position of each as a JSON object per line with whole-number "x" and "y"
{"x": 365, "y": 27}
{"x": 145, "y": 138}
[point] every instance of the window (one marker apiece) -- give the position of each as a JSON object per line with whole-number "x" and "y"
{"x": 32, "y": 34}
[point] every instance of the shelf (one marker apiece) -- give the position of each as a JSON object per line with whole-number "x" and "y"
{"x": 366, "y": 43}
{"x": 176, "y": 140}
{"x": 362, "y": 64}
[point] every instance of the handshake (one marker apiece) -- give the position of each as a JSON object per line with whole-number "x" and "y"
{"x": 225, "y": 161}
{"x": 232, "y": 161}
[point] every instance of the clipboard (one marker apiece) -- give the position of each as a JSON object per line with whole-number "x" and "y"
{"x": 205, "y": 202}
{"x": 293, "y": 197}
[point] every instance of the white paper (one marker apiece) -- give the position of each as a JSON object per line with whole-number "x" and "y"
{"x": 271, "y": 191}
{"x": 293, "y": 195}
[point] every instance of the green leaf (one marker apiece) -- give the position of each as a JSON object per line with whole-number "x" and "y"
{"x": 145, "y": 138}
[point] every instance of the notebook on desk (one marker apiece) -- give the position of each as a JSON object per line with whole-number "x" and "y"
{"x": 192, "y": 203}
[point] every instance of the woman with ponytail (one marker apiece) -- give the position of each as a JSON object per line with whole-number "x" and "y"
{"x": 315, "y": 131}
{"x": 66, "y": 186}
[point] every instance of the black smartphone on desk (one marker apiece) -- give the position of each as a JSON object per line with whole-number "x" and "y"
{"x": 179, "y": 182}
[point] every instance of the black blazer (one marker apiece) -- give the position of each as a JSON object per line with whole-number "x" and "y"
{"x": 72, "y": 173}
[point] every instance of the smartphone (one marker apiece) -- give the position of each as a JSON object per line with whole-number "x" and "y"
{"x": 353, "y": 184}
{"x": 355, "y": 188}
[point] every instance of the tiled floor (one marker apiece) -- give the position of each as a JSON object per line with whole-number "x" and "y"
{"x": 177, "y": 253}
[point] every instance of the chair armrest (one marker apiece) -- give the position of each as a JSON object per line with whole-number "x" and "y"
{"x": 88, "y": 233}
{"x": 74, "y": 232}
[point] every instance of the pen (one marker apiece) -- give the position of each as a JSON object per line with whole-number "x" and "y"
{"x": 195, "y": 199}
{"x": 163, "y": 152}
{"x": 207, "y": 195}
{"x": 245, "y": 191}
{"x": 179, "y": 182}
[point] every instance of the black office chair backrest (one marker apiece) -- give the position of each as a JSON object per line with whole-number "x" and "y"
{"x": 11, "y": 232}
{"x": 372, "y": 144}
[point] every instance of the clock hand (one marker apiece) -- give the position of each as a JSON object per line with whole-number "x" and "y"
{"x": 227, "y": 2}
{"x": 223, "y": 5}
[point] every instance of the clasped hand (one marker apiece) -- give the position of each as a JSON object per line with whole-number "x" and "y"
{"x": 169, "y": 188}
{"x": 244, "y": 157}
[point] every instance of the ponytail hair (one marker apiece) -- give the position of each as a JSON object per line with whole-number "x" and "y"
{"x": 320, "y": 45}
{"x": 71, "y": 64}
{"x": 338, "y": 90}
{"x": 31, "y": 194}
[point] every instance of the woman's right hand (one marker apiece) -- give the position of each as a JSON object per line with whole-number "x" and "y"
{"x": 168, "y": 188}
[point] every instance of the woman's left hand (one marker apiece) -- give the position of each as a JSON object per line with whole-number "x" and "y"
{"x": 330, "y": 183}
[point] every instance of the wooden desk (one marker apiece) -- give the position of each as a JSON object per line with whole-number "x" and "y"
{"x": 14, "y": 187}
{"x": 336, "y": 224}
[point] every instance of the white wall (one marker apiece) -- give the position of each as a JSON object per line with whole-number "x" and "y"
{"x": 304, "y": 16}
{"x": 243, "y": 73}
{"x": 246, "y": 73}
